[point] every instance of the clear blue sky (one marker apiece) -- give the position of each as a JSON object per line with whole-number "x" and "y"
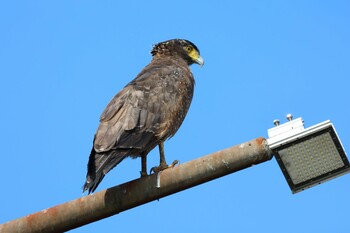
{"x": 62, "y": 61}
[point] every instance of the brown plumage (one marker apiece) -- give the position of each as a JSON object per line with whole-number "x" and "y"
{"x": 146, "y": 112}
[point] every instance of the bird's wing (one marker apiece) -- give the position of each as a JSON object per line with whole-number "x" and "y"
{"x": 133, "y": 116}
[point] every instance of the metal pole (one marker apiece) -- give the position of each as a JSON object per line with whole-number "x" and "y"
{"x": 114, "y": 200}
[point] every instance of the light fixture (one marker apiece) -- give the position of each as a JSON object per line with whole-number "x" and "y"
{"x": 307, "y": 157}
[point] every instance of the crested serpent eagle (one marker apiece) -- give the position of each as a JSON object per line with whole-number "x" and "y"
{"x": 146, "y": 112}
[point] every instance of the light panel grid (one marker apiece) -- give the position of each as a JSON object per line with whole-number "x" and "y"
{"x": 311, "y": 158}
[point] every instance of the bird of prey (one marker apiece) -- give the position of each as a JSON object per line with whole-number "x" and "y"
{"x": 146, "y": 112}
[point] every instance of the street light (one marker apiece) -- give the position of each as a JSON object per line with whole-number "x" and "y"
{"x": 307, "y": 157}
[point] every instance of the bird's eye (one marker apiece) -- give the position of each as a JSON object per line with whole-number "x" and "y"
{"x": 188, "y": 49}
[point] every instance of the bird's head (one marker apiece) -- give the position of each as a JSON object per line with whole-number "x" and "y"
{"x": 179, "y": 47}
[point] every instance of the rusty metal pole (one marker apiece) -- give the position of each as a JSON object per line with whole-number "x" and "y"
{"x": 114, "y": 200}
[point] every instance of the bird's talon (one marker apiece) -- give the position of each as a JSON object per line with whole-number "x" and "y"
{"x": 162, "y": 167}
{"x": 154, "y": 170}
{"x": 143, "y": 174}
{"x": 173, "y": 163}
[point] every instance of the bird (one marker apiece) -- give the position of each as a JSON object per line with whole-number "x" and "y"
{"x": 146, "y": 112}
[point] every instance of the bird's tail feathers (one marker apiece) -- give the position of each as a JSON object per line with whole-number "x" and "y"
{"x": 99, "y": 165}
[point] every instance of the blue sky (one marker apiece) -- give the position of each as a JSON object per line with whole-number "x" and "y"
{"x": 62, "y": 61}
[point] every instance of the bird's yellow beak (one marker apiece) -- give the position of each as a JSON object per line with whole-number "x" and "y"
{"x": 199, "y": 60}
{"x": 196, "y": 57}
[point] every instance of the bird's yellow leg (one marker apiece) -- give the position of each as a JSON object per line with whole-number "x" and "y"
{"x": 143, "y": 165}
{"x": 162, "y": 163}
